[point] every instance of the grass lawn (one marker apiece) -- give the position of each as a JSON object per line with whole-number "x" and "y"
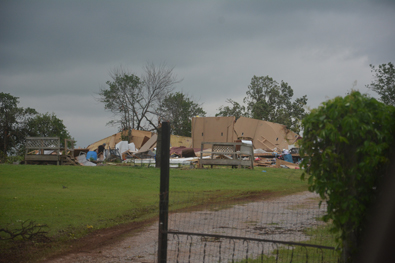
{"x": 74, "y": 199}
{"x": 299, "y": 254}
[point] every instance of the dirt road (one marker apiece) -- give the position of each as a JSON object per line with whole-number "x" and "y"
{"x": 141, "y": 247}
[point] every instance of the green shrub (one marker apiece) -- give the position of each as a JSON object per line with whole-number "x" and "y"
{"x": 346, "y": 145}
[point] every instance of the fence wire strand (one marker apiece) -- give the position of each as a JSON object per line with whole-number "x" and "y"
{"x": 218, "y": 229}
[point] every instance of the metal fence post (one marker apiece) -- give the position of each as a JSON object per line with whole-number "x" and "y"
{"x": 164, "y": 193}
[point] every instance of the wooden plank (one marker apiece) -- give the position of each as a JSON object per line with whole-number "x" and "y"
{"x": 41, "y": 158}
{"x": 264, "y": 155}
{"x": 224, "y": 162}
{"x": 223, "y": 153}
{"x": 41, "y": 138}
{"x": 55, "y": 148}
{"x": 223, "y": 143}
{"x": 288, "y": 164}
{"x": 67, "y": 160}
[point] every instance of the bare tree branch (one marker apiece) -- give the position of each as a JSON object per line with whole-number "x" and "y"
{"x": 134, "y": 100}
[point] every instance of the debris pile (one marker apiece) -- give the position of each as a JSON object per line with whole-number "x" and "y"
{"x": 273, "y": 144}
{"x": 241, "y": 142}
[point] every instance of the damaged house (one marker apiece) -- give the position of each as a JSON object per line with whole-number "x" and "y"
{"x": 141, "y": 143}
{"x": 267, "y": 139}
{"x": 265, "y": 135}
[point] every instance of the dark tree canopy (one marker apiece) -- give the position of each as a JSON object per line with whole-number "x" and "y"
{"x": 236, "y": 110}
{"x": 384, "y": 82}
{"x": 122, "y": 97}
{"x": 17, "y": 123}
{"x": 270, "y": 101}
{"x": 48, "y": 125}
{"x": 179, "y": 110}
{"x": 345, "y": 146}
{"x": 13, "y": 124}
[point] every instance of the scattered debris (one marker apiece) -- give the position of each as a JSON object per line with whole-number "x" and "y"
{"x": 83, "y": 161}
{"x": 281, "y": 163}
{"x": 266, "y": 139}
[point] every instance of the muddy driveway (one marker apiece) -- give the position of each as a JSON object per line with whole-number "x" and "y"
{"x": 282, "y": 218}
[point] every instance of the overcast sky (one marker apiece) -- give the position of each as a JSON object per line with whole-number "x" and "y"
{"x": 56, "y": 55}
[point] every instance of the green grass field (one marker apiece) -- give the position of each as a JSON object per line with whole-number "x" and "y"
{"x": 73, "y": 197}
{"x": 299, "y": 254}
{"x": 75, "y": 200}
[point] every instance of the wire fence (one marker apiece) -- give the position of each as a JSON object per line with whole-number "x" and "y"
{"x": 217, "y": 229}
{"x": 201, "y": 248}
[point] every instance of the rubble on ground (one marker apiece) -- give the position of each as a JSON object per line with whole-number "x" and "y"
{"x": 273, "y": 144}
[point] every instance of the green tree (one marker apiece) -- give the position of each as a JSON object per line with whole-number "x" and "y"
{"x": 345, "y": 146}
{"x": 122, "y": 97}
{"x": 134, "y": 100}
{"x": 384, "y": 82}
{"x": 13, "y": 124}
{"x": 270, "y": 101}
{"x": 236, "y": 110}
{"x": 48, "y": 125}
{"x": 179, "y": 110}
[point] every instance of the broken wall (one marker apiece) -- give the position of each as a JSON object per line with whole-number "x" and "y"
{"x": 178, "y": 141}
{"x": 212, "y": 129}
{"x": 265, "y": 135}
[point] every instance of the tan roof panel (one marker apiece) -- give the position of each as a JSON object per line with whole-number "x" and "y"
{"x": 138, "y": 138}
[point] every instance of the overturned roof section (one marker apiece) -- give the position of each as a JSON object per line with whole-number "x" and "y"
{"x": 266, "y": 135}
{"x": 138, "y": 138}
{"x": 150, "y": 144}
{"x": 212, "y": 129}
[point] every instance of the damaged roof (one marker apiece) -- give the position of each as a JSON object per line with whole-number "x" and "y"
{"x": 138, "y": 138}
{"x": 264, "y": 134}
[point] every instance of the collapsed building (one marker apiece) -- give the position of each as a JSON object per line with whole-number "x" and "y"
{"x": 265, "y": 135}
{"x": 138, "y": 137}
{"x": 134, "y": 143}
{"x": 266, "y": 140}
{"x": 212, "y": 137}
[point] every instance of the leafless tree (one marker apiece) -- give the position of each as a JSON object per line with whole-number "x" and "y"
{"x": 158, "y": 82}
{"x": 134, "y": 100}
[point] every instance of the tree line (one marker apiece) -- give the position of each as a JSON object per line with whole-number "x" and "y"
{"x": 143, "y": 102}
{"x": 17, "y": 123}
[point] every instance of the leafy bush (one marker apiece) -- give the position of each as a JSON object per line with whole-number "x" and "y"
{"x": 11, "y": 159}
{"x": 346, "y": 145}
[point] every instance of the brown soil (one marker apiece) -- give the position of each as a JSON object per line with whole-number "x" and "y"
{"x": 27, "y": 251}
{"x": 102, "y": 238}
